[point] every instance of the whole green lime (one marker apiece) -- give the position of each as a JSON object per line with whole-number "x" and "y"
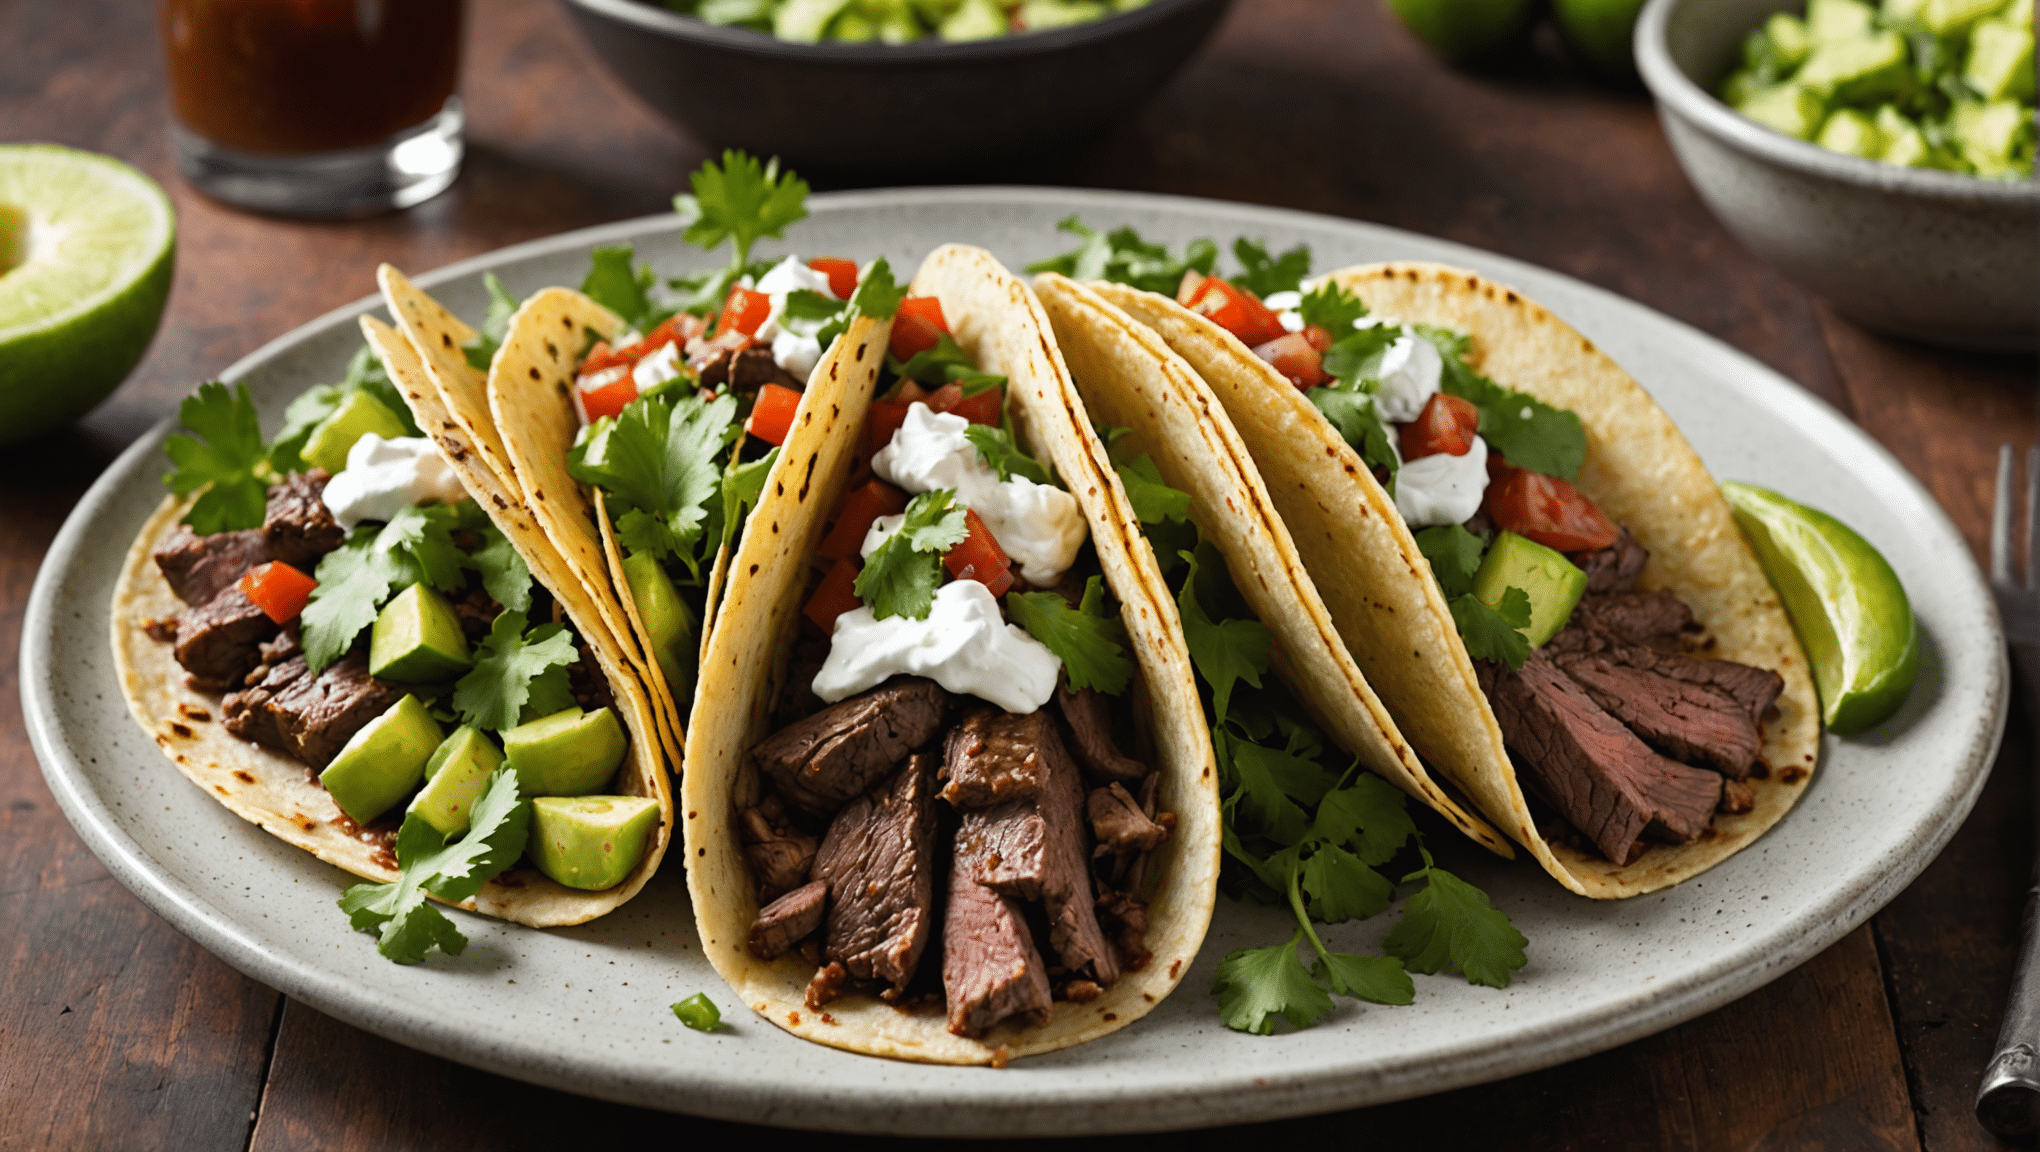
{"x": 1601, "y": 31}
{"x": 1467, "y": 29}
{"x": 87, "y": 246}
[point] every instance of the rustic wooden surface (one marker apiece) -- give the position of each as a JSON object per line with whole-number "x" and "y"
{"x": 116, "y": 1032}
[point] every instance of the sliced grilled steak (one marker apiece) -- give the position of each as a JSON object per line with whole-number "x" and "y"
{"x": 879, "y": 861}
{"x": 1090, "y": 720}
{"x": 825, "y": 760}
{"x": 297, "y": 525}
{"x": 310, "y": 717}
{"x": 1689, "y": 722}
{"x": 219, "y": 641}
{"x": 1614, "y": 568}
{"x": 991, "y": 970}
{"x": 1656, "y": 619}
{"x": 1598, "y": 774}
{"x": 781, "y": 857}
{"x": 994, "y": 756}
{"x": 789, "y": 920}
{"x": 1118, "y": 822}
{"x": 1753, "y": 689}
{"x": 197, "y": 567}
{"x": 748, "y": 371}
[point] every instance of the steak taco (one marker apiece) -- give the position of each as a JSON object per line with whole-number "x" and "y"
{"x": 949, "y": 795}
{"x": 1524, "y": 557}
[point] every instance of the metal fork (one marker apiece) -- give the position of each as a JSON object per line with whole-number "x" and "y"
{"x": 2008, "y": 1100}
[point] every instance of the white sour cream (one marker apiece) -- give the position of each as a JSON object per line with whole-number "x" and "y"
{"x": 1039, "y": 526}
{"x": 793, "y": 342}
{"x": 1410, "y": 370}
{"x": 964, "y": 645}
{"x": 1286, "y": 306}
{"x": 662, "y": 365}
{"x": 383, "y": 477}
{"x": 1442, "y": 488}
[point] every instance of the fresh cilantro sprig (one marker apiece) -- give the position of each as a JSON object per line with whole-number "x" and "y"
{"x": 1489, "y": 633}
{"x": 742, "y": 201}
{"x": 946, "y": 363}
{"x": 1090, "y": 642}
{"x": 996, "y": 447}
{"x": 518, "y": 675}
{"x": 1265, "y": 275}
{"x": 231, "y": 465}
{"x": 661, "y": 463}
{"x": 1452, "y": 924}
{"x": 1154, "y": 502}
{"x": 406, "y": 923}
{"x": 1331, "y": 307}
{"x": 1123, "y": 257}
{"x": 623, "y": 287}
{"x": 373, "y": 564}
{"x": 900, "y": 577}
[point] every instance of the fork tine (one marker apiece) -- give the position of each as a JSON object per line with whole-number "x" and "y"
{"x": 2001, "y": 521}
{"x": 2033, "y": 518}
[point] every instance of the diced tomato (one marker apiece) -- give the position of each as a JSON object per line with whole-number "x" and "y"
{"x": 743, "y": 311}
{"x": 884, "y": 419}
{"x": 280, "y": 590}
{"x": 980, "y": 558}
{"x": 917, "y": 326}
{"x": 983, "y": 408}
{"x": 842, "y": 274}
{"x": 1233, "y": 309}
{"x": 1447, "y": 424}
{"x": 835, "y": 595}
{"x": 605, "y": 393}
{"x": 860, "y": 507}
{"x": 601, "y": 358}
{"x": 1318, "y": 337}
{"x": 772, "y": 415}
{"x": 1293, "y": 356}
{"x": 1548, "y": 510}
{"x": 676, "y": 329}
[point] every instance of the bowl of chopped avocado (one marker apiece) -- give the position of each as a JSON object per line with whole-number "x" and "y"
{"x": 835, "y": 85}
{"x": 1880, "y": 152}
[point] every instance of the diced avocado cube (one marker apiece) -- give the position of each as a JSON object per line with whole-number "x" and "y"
{"x": 1838, "y": 20}
{"x": 804, "y": 20}
{"x": 590, "y": 842}
{"x": 851, "y": 27}
{"x": 1953, "y": 17}
{"x": 974, "y": 20}
{"x": 383, "y": 761}
{"x": 1904, "y": 144}
{"x": 1848, "y": 130}
{"x": 417, "y": 639}
{"x": 1040, "y": 15}
{"x": 1553, "y": 583}
{"x": 1987, "y": 134}
{"x": 1902, "y": 11}
{"x": 1788, "y": 108}
{"x": 1791, "y": 41}
{"x": 2018, "y": 13}
{"x": 669, "y": 622}
{"x": 1739, "y": 87}
{"x": 569, "y": 753}
{"x": 935, "y": 11}
{"x": 1856, "y": 71}
{"x": 892, "y": 20}
{"x": 2000, "y": 65}
{"x": 358, "y": 414}
{"x": 454, "y": 777}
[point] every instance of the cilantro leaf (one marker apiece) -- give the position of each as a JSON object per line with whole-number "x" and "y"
{"x": 1256, "y": 985}
{"x": 1090, "y": 644}
{"x": 996, "y": 446}
{"x": 305, "y": 413}
{"x": 807, "y": 304}
{"x": 878, "y": 296}
{"x": 1154, "y": 502}
{"x": 613, "y": 283}
{"x": 516, "y": 674}
{"x": 741, "y": 201}
{"x": 1380, "y": 979}
{"x": 1355, "y": 359}
{"x": 1369, "y": 815}
{"x": 1123, "y": 257}
{"x": 480, "y": 349}
{"x": 502, "y": 570}
{"x": 1359, "y": 422}
{"x": 741, "y": 487}
{"x": 1341, "y": 888}
{"x": 1332, "y": 308}
{"x": 1454, "y": 554}
{"x": 1450, "y": 922}
{"x": 373, "y": 563}
{"x": 1264, "y": 275}
{"x": 1492, "y": 634}
{"x": 1263, "y": 802}
{"x": 406, "y": 924}
{"x": 230, "y": 465}
{"x": 660, "y": 462}
{"x": 900, "y": 577}
{"x": 1225, "y": 653}
{"x": 1531, "y": 433}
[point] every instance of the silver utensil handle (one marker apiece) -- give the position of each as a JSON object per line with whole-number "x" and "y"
{"x": 2008, "y": 1100}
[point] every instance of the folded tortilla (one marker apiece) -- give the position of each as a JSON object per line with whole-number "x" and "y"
{"x": 1002, "y": 326}
{"x": 1388, "y": 608}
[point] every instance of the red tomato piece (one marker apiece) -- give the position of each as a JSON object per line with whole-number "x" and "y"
{"x": 842, "y": 274}
{"x": 772, "y": 414}
{"x": 983, "y": 408}
{"x": 1237, "y": 311}
{"x": 860, "y": 507}
{"x": 604, "y": 394}
{"x": 601, "y": 358}
{"x": 980, "y": 558}
{"x": 917, "y": 327}
{"x": 1293, "y": 356}
{"x": 280, "y": 590}
{"x": 743, "y": 312}
{"x": 701, "y": 353}
{"x": 1447, "y": 424}
{"x": 1548, "y": 510}
{"x": 881, "y": 422}
{"x": 835, "y": 595}
{"x": 1318, "y": 337}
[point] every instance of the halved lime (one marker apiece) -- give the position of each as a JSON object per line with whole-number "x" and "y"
{"x": 1467, "y": 29}
{"x": 1846, "y": 603}
{"x": 87, "y": 245}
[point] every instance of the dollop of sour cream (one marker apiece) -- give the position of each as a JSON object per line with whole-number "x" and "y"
{"x": 1410, "y": 371}
{"x": 794, "y": 346}
{"x": 1287, "y": 308}
{"x": 964, "y": 645}
{"x": 1442, "y": 488}
{"x": 1039, "y": 526}
{"x": 662, "y": 365}
{"x": 383, "y": 477}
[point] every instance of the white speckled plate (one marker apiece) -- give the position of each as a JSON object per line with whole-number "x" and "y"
{"x": 585, "y": 1009}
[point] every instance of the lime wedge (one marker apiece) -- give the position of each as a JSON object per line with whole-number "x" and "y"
{"x": 1846, "y": 603}
{"x": 87, "y": 245}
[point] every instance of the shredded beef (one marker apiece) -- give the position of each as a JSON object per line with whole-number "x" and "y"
{"x": 1118, "y": 822}
{"x": 198, "y": 567}
{"x": 309, "y": 717}
{"x": 218, "y": 641}
{"x": 789, "y": 920}
{"x": 826, "y": 986}
{"x": 1125, "y": 915}
{"x": 1736, "y": 798}
{"x": 781, "y": 857}
{"x": 994, "y": 756}
{"x": 748, "y": 371}
{"x": 1088, "y": 715}
{"x": 823, "y": 761}
{"x": 1755, "y": 690}
{"x": 991, "y": 970}
{"x": 1614, "y": 568}
{"x": 297, "y": 525}
{"x": 878, "y": 859}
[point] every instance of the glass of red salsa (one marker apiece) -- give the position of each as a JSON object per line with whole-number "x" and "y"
{"x": 315, "y": 107}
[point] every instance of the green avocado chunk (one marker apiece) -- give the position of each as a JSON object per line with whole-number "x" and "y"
{"x": 417, "y": 639}
{"x": 1838, "y": 20}
{"x": 1791, "y": 40}
{"x": 1953, "y": 17}
{"x": 590, "y": 842}
{"x": 2000, "y": 65}
{"x": 1987, "y": 133}
{"x": 669, "y": 622}
{"x": 1848, "y": 130}
{"x": 358, "y": 415}
{"x": 383, "y": 762}
{"x": 1857, "y": 69}
{"x": 1788, "y": 108}
{"x": 1553, "y": 583}
{"x": 569, "y": 753}
{"x": 974, "y": 20}
{"x": 454, "y": 777}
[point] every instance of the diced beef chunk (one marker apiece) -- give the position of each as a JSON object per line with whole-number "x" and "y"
{"x": 1690, "y": 722}
{"x": 1599, "y": 776}
{"x": 1656, "y": 619}
{"x": 1736, "y": 798}
{"x": 310, "y": 717}
{"x": 879, "y": 861}
{"x": 1090, "y": 720}
{"x": 789, "y": 920}
{"x": 1614, "y": 568}
{"x": 218, "y": 641}
{"x": 197, "y": 567}
{"x": 826, "y": 986}
{"x": 297, "y": 526}
{"x": 780, "y": 856}
{"x": 823, "y": 761}
{"x": 994, "y": 756}
{"x": 747, "y": 371}
{"x": 991, "y": 970}
{"x": 1118, "y": 822}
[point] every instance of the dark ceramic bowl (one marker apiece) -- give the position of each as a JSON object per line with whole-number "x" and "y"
{"x": 915, "y": 108}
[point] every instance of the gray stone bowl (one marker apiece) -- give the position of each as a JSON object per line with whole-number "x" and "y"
{"x": 1938, "y": 256}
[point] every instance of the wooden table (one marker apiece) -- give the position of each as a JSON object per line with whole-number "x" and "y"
{"x": 116, "y": 1032}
